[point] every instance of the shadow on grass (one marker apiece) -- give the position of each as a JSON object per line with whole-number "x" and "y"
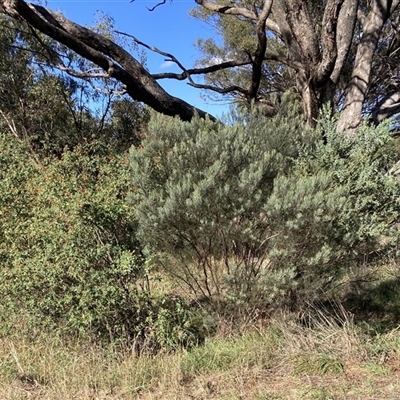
{"x": 378, "y": 304}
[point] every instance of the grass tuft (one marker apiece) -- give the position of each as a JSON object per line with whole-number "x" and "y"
{"x": 321, "y": 355}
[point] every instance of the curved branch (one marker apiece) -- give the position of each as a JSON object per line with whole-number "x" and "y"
{"x": 238, "y": 11}
{"x": 157, "y": 5}
{"x": 226, "y": 90}
{"x": 155, "y": 49}
{"x": 199, "y": 71}
{"x": 90, "y": 73}
{"x": 387, "y": 107}
{"x": 106, "y": 54}
{"x": 260, "y": 51}
{"x": 227, "y": 10}
{"x": 328, "y": 41}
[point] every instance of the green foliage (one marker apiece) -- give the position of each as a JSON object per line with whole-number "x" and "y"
{"x": 172, "y": 323}
{"x": 69, "y": 253}
{"x": 262, "y": 209}
{"x": 317, "y": 364}
{"x": 334, "y": 206}
{"x": 39, "y": 109}
{"x": 50, "y": 111}
{"x": 69, "y": 256}
{"x": 127, "y": 121}
{"x": 199, "y": 189}
{"x": 236, "y": 39}
{"x": 246, "y": 351}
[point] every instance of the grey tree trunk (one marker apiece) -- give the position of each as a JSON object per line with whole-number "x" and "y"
{"x": 373, "y": 23}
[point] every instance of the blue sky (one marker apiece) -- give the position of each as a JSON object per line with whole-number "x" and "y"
{"x": 169, "y": 28}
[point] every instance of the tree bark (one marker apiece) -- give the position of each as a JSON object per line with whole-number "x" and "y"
{"x": 328, "y": 43}
{"x": 345, "y": 31}
{"x": 309, "y": 97}
{"x": 373, "y": 23}
{"x": 260, "y": 51}
{"x": 388, "y": 106}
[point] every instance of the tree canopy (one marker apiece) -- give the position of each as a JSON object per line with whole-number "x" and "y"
{"x": 344, "y": 52}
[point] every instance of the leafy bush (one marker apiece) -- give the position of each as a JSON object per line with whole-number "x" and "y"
{"x": 199, "y": 189}
{"x": 261, "y": 210}
{"x": 172, "y": 322}
{"x": 333, "y": 207}
{"x": 69, "y": 253}
{"x": 70, "y": 259}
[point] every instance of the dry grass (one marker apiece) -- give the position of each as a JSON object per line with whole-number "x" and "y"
{"x": 324, "y": 356}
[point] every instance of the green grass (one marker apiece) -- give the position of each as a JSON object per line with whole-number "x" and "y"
{"x": 254, "y": 349}
{"x": 280, "y": 360}
{"x": 327, "y": 352}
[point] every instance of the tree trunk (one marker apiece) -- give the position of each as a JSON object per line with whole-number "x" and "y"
{"x": 360, "y": 79}
{"x": 309, "y": 98}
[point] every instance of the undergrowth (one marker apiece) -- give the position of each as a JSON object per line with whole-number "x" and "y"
{"x": 322, "y": 353}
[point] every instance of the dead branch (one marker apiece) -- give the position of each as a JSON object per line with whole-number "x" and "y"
{"x": 106, "y": 54}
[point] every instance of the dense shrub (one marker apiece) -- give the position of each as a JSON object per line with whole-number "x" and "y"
{"x": 69, "y": 256}
{"x": 199, "y": 189}
{"x": 333, "y": 207}
{"x": 262, "y": 209}
{"x": 69, "y": 253}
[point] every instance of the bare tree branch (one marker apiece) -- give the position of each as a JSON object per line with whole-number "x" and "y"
{"x": 106, "y": 54}
{"x": 260, "y": 51}
{"x": 91, "y": 73}
{"x": 387, "y": 107}
{"x": 157, "y": 5}
{"x": 227, "y": 10}
{"x": 155, "y": 49}
{"x": 237, "y": 11}
{"x": 199, "y": 71}
{"x": 154, "y": 7}
{"x": 226, "y": 90}
{"x": 328, "y": 41}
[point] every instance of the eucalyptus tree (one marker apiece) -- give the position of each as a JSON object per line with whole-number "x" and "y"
{"x": 340, "y": 51}
{"x": 51, "y": 111}
{"x": 344, "y": 52}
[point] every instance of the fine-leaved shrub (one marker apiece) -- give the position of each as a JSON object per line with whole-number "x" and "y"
{"x": 262, "y": 209}
{"x": 333, "y": 207}
{"x": 199, "y": 191}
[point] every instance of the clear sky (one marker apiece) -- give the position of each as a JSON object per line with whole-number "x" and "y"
{"x": 169, "y": 27}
